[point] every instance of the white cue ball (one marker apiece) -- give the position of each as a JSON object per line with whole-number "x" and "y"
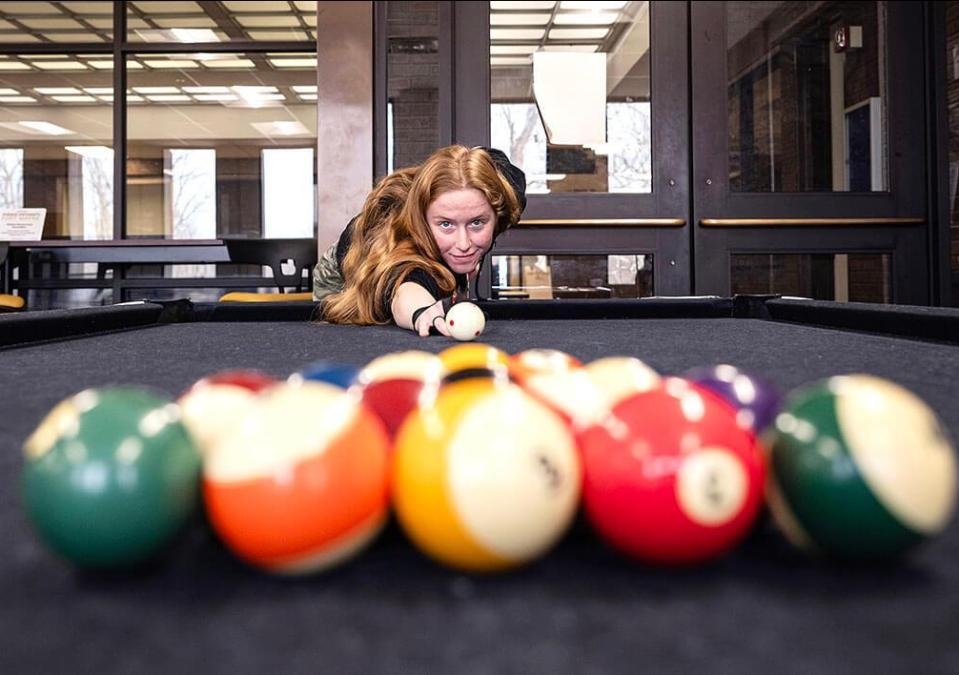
{"x": 465, "y": 321}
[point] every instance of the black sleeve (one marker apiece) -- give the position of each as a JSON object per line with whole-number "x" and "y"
{"x": 417, "y": 276}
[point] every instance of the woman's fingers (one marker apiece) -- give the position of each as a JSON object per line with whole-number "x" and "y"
{"x": 439, "y": 323}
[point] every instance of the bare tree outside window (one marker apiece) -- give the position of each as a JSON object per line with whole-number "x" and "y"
{"x": 97, "y": 173}
{"x": 191, "y": 201}
{"x": 628, "y": 128}
{"x": 11, "y": 178}
{"x": 516, "y": 129}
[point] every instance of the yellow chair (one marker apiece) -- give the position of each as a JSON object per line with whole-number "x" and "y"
{"x": 239, "y": 296}
{"x": 11, "y": 303}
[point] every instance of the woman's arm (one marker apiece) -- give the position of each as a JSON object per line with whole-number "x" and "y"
{"x": 408, "y": 298}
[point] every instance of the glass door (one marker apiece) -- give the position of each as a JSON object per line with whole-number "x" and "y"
{"x": 591, "y": 100}
{"x": 809, "y": 166}
{"x": 707, "y": 148}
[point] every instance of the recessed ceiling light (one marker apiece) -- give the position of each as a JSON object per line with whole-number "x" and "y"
{"x": 46, "y": 128}
{"x": 229, "y": 63}
{"x": 156, "y": 90}
{"x": 215, "y": 97}
{"x": 294, "y": 63}
{"x": 496, "y": 19}
{"x": 171, "y": 64}
{"x": 59, "y": 65}
{"x": 207, "y": 90}
{"x": 281, "y": 128}
{"x": 577, "y": 33}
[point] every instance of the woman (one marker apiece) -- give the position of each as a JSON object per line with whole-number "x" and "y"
{"x": 422, "y": 233}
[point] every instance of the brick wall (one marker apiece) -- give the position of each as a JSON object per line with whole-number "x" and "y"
{"x": 413, "y": 70}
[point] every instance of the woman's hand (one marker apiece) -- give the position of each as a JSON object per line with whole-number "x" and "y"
{"x": 432, "y": 317}
{"x": 416, "y": 310}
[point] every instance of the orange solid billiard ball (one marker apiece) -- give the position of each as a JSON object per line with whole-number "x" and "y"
{"x": 301, "y": 484}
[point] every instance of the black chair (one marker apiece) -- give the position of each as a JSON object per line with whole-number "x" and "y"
{"x": 275, "y": 253}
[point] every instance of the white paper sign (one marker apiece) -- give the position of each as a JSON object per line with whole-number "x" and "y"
{"x": 21, "y": 224}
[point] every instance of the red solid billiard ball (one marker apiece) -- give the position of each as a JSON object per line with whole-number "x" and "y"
{"x": 670, "y": 477}
{"x": 390, "y": 385}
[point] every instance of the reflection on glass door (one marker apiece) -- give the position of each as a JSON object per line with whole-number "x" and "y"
{"x": 807, "y": 96}
{"x": 570, "y": 94}
{"x": 798, "y": 110}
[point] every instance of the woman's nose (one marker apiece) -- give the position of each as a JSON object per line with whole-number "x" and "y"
{"x": 462, "y": 239}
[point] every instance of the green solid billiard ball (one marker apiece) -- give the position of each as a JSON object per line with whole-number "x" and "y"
{"x": 110, "y": 476}
{"x": 860, "y": 468}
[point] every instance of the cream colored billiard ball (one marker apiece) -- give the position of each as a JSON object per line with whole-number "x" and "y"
{"x": 465, "y": 321}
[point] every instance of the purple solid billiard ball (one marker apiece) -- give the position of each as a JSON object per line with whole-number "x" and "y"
{"x": 756, "y": 399}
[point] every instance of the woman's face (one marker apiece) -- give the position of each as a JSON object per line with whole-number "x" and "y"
{"x": 462, "y": 223}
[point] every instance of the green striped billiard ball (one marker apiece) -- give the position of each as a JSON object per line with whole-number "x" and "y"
{"x": 860, "y": 468}
{"x": 111, "y": 475}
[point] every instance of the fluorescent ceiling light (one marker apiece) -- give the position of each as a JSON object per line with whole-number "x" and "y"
{"x": 74, "y": 99}
{"x": 96, "y": 151}
{"x": 304, "y": 88}
{"x": 98, "y": 90}
{"x": 178, "y": 64}
{"x": 59, "y": 65}
{"x": 229, "y": 63}
{"x": 46, "y": 128}
{"x": 219, "y": 98}
{"x": 156, "y": 90}
{"x": 48, "y": 91}
{"x": 270, "y": 21}
{"x": 281, "y": 128}
{"x": 169, "y": 98}
{"x": 17, "y": 99}
{"x": 516, "y": 33}
{"x": 577, "y": 33}
{"x": 13, "y": 65}
{"x": 46, "y": 24}
{"x": 518, "y": 19}
{"x": 307, "y": 97}
{"x": 207, "y": 90}
{"x": 194, "y": 35}
{"x": 108, "y": 65}
{"x": 294, "y": 63}
{"x": 586, "y": 18}
{"x": 243, "y": 89}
